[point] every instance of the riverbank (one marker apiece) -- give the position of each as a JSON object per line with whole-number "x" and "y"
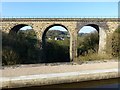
{"x": 40, "y": 74}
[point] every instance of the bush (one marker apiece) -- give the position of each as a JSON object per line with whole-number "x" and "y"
{"x": 9, "y": 57}
{"x": 88, "y": 43}
{"x": 21, "y": 46}
{"x": 94, "y": 56}
{"x": 56, "y": 51}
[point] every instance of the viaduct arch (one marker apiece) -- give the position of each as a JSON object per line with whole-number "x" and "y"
{"x": 47, "y": 28}
{"x": 105, "y": 27}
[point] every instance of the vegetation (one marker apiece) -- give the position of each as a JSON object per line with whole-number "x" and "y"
{"x": 57, "y": 51}
{"x": 88, "y": 43}
{"x": 88, "y": 48}
{"x": 19, "y": 48}
{"x": 22, "y": 48}
{"x": 56, "y": 33}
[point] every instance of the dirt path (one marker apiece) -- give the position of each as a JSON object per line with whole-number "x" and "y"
{"x": 45, "y": 69}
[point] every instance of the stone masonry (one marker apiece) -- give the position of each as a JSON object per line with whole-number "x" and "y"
{"x": 104, "y": 26}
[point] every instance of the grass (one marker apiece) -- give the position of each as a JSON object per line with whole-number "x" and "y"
{"x": 10, "y": 57}
{"x": 94, "y": 56}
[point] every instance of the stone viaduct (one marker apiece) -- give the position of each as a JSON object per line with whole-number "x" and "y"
{"x": 104, "y": 26}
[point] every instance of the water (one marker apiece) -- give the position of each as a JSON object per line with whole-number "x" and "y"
{"x": 97, "y": 84}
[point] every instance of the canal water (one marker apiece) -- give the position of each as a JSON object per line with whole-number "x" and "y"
{"x": 97, "y": 84}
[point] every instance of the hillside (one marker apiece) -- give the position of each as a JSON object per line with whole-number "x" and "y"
{"x": 56, "y": 33}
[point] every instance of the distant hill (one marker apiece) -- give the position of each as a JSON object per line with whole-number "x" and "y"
{"x": 56, "y": 33}
{"x": 82, "y": 34}
{"x": 85, "y": 34}
{"x": 53, "y": 33}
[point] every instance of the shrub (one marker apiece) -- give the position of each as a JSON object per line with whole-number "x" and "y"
{"x": 22, "y": 46}
{"x": 9, "y": 57}
{"x": 94, "y": 56}
{"x": 56, "y": 51}
{"x": 88, "y": 42}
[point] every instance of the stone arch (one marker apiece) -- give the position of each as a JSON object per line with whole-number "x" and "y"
{"x": 44, "y": 34}
{"x": 47, "y": 28}
{"x": 102, "y": 36}
{"x": 96, "y": 26}
{"x": 92, "y": 27}
{"x": 13, "y": 30}
{"x": 17, "y": 27}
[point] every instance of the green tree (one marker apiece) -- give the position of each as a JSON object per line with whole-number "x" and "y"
{"x": 88, "y": 43}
